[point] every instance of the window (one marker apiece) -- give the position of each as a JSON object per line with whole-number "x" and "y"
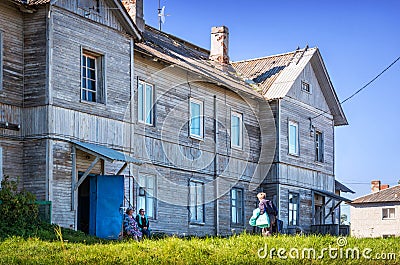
{"x": 236, "y": 129}
{"x": 293, "y": 208}
{"x": 196, "y": 190}
{"x": 145, "y": 102}
{"x": 319, "y": 147}
{"x": 388, "y": 213}
{"x": 237, "y": 206}
{"x": 146, "y": 194}
{"x": 196, "y": 118}
{"x": 92, "y": 85}
{"x": 293, "y": 138}
{"x": 305, "y": 86}
{"x": 1, "y": 60}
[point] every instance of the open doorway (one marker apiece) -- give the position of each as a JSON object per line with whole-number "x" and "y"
{"x": 84, "y": 203}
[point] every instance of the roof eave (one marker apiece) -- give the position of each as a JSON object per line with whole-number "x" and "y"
{"x": 336, "y": 109}
{"x": 252, "y": 94}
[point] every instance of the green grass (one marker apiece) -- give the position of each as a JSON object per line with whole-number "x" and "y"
{"x": 242, "y": 249}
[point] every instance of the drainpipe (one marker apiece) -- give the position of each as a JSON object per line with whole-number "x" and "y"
{"x": 278, "y": 192}
{"x": 216, "y": 218}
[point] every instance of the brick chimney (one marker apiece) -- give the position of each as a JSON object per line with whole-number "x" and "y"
{"x": 219, "y": 44}
{"x": 384, "y": 186}
{"x": 375, "y": 186}
{"x": 135, "y": 10}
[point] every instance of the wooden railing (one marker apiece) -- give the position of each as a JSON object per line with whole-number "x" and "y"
{"x": 331, "y": 229}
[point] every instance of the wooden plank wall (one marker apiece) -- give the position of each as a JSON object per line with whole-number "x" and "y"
{"x": 12, "y": 157}
{"x": 34, "y": 164}
{"x": 71, "y": 34}
{"x": 11, "y": 89}
{"x": 105, "y": 16}
{"x": 170, "y": 150}
{"x": 11, "y": 25}
{"x": 35, "y": 58}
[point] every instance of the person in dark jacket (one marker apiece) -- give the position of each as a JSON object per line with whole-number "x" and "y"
{"x": 272, "y": 211}
{"x": 131, "y": 228}
{"x": 143, "y": 223}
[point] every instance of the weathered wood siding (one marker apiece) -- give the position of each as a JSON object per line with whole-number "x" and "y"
{"x": 35, "y": 163}
{"x": 300, "y": 106}
{"x": 71, "y": 34}
{"x": 62, "y": 183}
{"x": 12, "y": 159}
{"x": 11, "y": 89}
{"x": 11, "y": 26}
{"x": 176, "y": 157}
{"x": 105, "y": 16}
{"x": 301, "y": 173}
{"x": 316, "y": 97}
{"x": 35, "y": 64}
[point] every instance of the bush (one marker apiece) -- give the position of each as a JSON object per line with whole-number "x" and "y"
{"x": 18, "y": 211}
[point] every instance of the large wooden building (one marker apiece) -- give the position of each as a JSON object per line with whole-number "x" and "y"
{"x": 100, "y": 112}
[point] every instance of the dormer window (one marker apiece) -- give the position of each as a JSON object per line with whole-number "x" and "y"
{"x": 89, "y": 5}
{"x": 305, "y": 87}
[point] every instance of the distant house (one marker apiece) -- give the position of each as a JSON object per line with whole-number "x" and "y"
{"x": 376, "y": 214}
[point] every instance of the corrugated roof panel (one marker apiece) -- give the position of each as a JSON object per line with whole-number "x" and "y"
{"x": 176, "y": 51}
{"x": 107, "y": 152}
{"x": 387, "y": 195}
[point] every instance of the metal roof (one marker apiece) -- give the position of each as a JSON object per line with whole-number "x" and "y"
{"x": 107, "y": 153}
{"x": 331, "y": 195}
{"x": 387, "y": 195}
{"x": 342, "y": 187}
{"x": 275, "y": 76}
{"x": 178, "y": 52}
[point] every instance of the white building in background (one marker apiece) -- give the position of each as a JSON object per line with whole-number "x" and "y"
{"x": 376, "y": 214}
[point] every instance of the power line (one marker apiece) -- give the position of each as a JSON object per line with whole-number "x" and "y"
{"x": 367, "y": 84}
{"x": 361, "y": 89}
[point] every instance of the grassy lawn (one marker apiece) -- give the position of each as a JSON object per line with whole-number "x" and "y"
{"x": 242, "y": 249}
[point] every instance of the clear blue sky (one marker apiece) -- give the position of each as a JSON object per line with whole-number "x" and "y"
{"x": 357, "y": 39}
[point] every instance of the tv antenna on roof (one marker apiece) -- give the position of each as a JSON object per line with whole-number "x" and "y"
{"x": 161, "y": 15}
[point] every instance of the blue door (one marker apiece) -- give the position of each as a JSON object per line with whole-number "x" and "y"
{"x": 106, "y": 198}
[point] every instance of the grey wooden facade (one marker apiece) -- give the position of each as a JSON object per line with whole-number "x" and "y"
{"x": 280, "y": 79}
{"x": 41, "y": 102}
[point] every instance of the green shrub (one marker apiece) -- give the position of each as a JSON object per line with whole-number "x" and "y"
{"x": 18, "y": 211}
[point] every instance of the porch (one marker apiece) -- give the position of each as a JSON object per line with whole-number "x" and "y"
{"x": 325, "y": 205}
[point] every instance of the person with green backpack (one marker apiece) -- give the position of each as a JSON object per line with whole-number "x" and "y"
{"x": 265, "y": 215}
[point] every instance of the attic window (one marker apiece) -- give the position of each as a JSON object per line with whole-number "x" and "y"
{"x": 89, "y": 5}
{"x": 305, "y": 87}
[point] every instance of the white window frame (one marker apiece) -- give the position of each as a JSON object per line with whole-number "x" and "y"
{"x": 390, "y": 213}
{"x": 297, "y": 145}
{"x": 237, "y": 206}
{"x": 293, "y": 212}
{"x": 85, "y": 79}
{"x": 142, "y": 104}
{"x": 1, "y": 59}
{"x": 99, "y": 70}
{"x": 196, "y": 202}
{"x": 305, "y": 84}
{"x": 146, "y": 198}
{"x": 240, "y": 116}
{"x": 319, "y": 147}
{"x": 201, "y": 118}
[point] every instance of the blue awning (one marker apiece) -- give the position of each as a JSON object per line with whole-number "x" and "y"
{"x": 331, "y": 195}
{"x": 107, "y": 153}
